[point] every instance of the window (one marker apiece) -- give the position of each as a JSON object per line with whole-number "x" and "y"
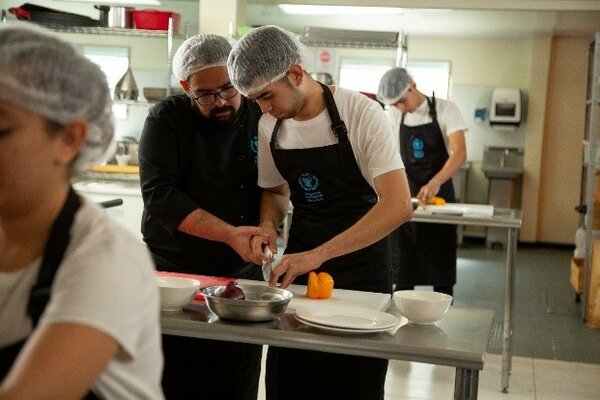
{"x": 431, "y": 76}
{"x": 113, "y": 61}
{"x": 363, "y": 74}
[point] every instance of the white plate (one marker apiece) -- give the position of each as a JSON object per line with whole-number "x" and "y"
{"x": 342, "y": 330}
{"x": 347, "y": 317}
{"x": 443, "y": 210}
{"x": 475, "y": 210}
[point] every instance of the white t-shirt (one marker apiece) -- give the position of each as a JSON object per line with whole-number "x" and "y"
{"x": 448, "y": 116}
{"x": 105, "y": 281}
{"x": 374, "y": 144}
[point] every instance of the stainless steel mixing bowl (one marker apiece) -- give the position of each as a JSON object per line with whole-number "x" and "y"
{"x": 262, "y": 303}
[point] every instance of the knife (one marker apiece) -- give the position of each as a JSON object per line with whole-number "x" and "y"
{"x": 267, "y": 265}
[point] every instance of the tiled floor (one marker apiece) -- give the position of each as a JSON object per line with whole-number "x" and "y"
{"x": 531, "y": 379}
{"x": 548, "y": 323}
{"x": 555, "y": 355}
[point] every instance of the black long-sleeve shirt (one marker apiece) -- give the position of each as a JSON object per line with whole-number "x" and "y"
{"x": 186, "y": 164}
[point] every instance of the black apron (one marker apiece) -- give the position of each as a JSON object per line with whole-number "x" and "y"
{"x": 329, "y": 194}
{"x": 58, "y": 241}
{"x": 327, "y": 202}
{"x": 427, "y": 252}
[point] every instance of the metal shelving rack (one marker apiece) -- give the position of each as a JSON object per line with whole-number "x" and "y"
{"x": 590, "y": 170}
{"x": 97, "y": 30}
{"x": 169, "y": 35}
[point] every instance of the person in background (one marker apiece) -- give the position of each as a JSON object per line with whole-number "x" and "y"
{"x": 333, "y": 151}
{"x": 198, "y": 174}
{"x": 79, "y": 306}
{"x": 432, "y": 145}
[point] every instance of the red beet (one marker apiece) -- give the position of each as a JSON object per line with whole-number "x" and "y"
{"x": 232, "y": 291}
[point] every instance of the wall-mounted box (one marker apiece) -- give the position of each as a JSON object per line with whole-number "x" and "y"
{"x": 505, "y": 109}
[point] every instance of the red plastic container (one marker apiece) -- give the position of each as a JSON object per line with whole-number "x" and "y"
{"x": 155, "y": 20}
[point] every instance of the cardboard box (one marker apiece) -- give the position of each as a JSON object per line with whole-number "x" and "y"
{"x": 593, "y": 300}
{"x": 576, "y": 275}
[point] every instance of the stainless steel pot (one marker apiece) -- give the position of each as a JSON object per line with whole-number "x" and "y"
{"x": 116, "y": 16}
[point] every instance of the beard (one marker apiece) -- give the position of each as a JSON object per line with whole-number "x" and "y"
{"x": 218, "y": 122}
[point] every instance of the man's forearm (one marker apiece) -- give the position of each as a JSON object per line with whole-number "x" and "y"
{"x": 203, "y": 224}
{"x": 379, "y": 222}
{"x": 274, "y": 207}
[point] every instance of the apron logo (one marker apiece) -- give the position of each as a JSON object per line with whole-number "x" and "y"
{"x": 254, "y": 144}
{"x": 417, "y": 147}
{"x": 309, "y": 183}
{"x": 254, "y": 148}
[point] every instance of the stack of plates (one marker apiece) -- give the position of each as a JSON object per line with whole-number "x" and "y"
{"x": 346, "y": 319}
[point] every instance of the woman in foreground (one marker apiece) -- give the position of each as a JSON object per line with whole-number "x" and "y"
{"x": 79, "y": 308}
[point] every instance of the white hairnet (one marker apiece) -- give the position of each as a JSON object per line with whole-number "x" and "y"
{"x": 198, "y": 53}
{"x": 48, "y": 76}
{"x": 263, "y": 56}
{"x": 393, "y": 85}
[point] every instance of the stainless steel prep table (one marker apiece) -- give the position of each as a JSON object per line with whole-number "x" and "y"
{"x": 459, "y": 340}
{"x": 502, "y": 218}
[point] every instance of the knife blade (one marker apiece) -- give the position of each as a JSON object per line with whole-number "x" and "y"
{"x": 267, "y": 264}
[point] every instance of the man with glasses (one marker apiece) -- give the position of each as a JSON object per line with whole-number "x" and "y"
{"x": 198, "y": 173}
{"x": 432, "y": 144}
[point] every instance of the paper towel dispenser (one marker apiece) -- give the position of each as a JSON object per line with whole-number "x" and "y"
{"x": 506, "y": 107}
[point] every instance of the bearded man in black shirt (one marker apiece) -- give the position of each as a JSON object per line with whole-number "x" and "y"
{"x": 198, "y": 174}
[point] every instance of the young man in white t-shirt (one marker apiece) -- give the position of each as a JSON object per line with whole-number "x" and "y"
{"x": 432, "y": 145}
{"x": 334, "y": 154}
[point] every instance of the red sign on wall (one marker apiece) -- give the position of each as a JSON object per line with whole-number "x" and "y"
{"x": 325, "y": 61}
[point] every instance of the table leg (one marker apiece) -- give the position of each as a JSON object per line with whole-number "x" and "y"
{"x": 466, "y": 384}
{"x": 509, "y": 296}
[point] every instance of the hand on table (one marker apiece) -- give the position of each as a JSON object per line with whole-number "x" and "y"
{"x": 293, "y": 265}
{"x": 428, "y": 191}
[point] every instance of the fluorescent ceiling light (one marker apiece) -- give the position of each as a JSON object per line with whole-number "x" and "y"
{"x": 303, "y": 9}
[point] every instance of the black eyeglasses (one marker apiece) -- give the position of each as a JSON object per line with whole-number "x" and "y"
{"x": 205, "y": 99}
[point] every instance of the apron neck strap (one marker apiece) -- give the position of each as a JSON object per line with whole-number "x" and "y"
{"x": 337, "y": 125}
{"x": 431, "y": 104}
{"x": 53, "y": 254}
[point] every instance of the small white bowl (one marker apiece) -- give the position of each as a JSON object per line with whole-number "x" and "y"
{"x": 422, "y": 307}
{"x": 176, "y": 292}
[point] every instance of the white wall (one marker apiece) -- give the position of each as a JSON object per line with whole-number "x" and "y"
{"x": 481, "y": 133}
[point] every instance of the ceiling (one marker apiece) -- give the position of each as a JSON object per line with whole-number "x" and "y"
{"x": 447, "y": 18}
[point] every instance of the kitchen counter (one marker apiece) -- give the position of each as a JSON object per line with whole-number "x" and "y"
{"x": 129, "y": 214}
{"x": 510, "y": 220}
{"x": 459, "y": 340}
{"x": 110, "y": 187}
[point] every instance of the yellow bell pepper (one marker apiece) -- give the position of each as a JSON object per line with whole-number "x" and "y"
{"x": 320, "y": 286}
{"x": 437, "y": 201}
